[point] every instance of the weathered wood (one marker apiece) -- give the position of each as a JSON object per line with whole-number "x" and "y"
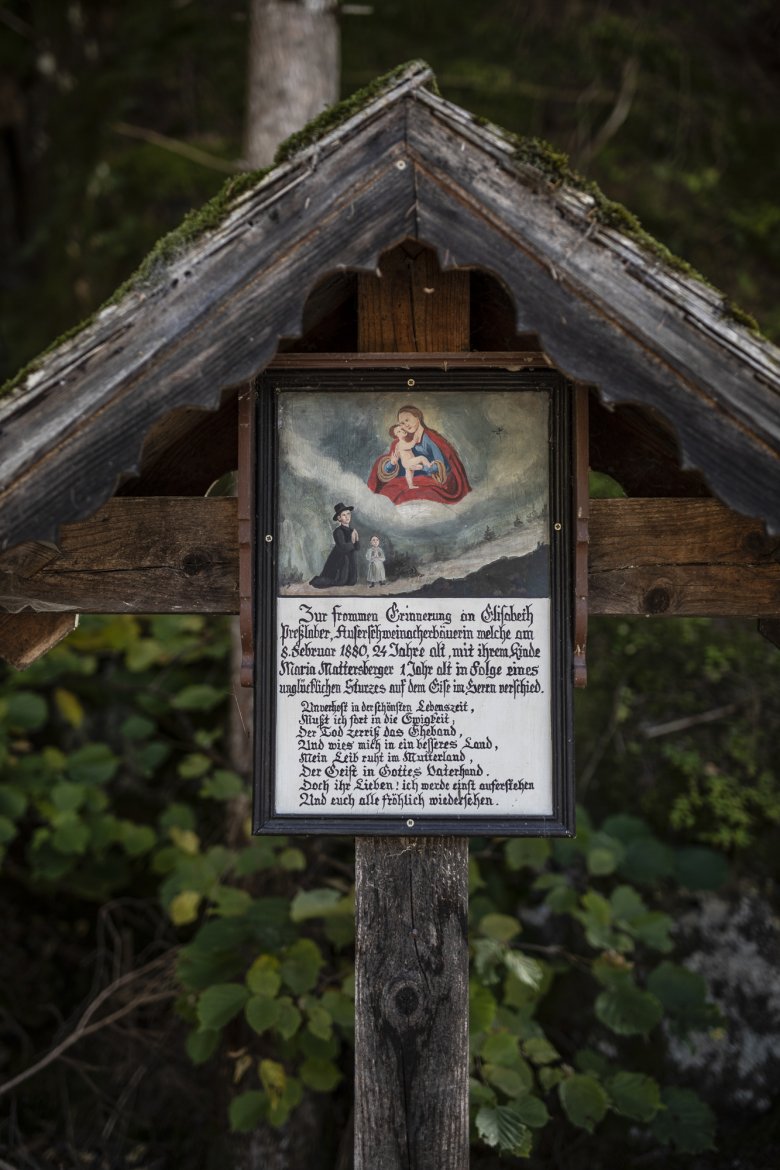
{"x": 172, "y": 555}
{"x": 414, "y": 307}
{"x": 610, "y": 312}
{"x": 608, "y": 315}
{"x": 25, "y": 637}
{"x": 214, "y": 321}
{"x": 411, "y": 1013}
{"x": 136, "y": 555}
{"x": 411, "y": 895}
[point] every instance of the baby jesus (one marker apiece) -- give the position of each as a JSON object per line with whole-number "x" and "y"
{"x": 403, "y": 451}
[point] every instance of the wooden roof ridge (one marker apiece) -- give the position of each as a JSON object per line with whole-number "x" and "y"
{"x": 207, "y": 308}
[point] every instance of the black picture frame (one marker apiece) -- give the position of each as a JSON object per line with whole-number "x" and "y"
{"x": 429, "y": 376}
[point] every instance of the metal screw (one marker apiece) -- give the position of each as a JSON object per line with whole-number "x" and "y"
{"x": 410, "y": 824}
{"x": 268, "y": 538}
{"x": 410, "y": 382}
{"x": 557, "y": 527}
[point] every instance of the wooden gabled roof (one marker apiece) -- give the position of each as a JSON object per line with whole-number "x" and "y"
{"x": 611, "y": 307}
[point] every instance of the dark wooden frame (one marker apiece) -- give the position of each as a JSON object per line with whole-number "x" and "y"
{"x": 372, "y": 371}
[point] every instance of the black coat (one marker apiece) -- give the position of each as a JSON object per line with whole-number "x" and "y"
{"x": 341, "y": 566}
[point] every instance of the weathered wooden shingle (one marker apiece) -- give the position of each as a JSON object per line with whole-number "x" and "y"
{"x": 612, "y": 309}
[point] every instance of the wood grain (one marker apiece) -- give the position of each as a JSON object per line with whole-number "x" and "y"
{"x": 662, "y": 557}
{"x": 413, "y": 307}
{"x": 411, "y": 1014}
{"x": 411, "y": 895}
{"x": 609, "y": 312}
{"x": 25, "y": 637}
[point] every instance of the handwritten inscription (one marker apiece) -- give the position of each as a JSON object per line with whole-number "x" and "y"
{"x": 406, "y": 707}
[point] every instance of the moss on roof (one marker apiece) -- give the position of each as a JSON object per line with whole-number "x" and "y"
{"x": 533, "y": 152}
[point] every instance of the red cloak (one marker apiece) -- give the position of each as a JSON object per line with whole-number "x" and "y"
{"x": 454, "y": 486}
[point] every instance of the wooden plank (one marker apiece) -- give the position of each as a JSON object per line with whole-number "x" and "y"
{"x": 214, "y": 322}
{"x": 603, "y": 321}
{"x": 25, "y": 637}
{"x": 411, "y": 948}
{"x": 171, "y": 555}
{"x": 413, "y": 307}
{"x": 137, "y": 555}
{"x": 411, "y": 1012}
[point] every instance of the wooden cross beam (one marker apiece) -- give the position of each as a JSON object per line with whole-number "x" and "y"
{"x": 668, "y": 557}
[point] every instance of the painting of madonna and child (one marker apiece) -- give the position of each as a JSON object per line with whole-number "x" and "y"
{"x": 424, "y": 491}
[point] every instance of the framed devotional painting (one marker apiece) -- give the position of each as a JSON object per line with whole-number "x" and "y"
{"x": 413, "y": 578}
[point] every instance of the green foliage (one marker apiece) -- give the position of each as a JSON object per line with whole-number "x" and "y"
{"x": 263, "y": 969}
{"x": 602, "y": 892}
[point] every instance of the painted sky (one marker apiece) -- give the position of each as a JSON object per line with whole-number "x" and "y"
{"x": 328, "y": 444}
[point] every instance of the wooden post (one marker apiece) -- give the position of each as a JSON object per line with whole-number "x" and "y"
{"x": 411, "y": 962}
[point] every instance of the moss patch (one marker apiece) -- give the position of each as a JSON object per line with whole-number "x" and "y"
{"x": 208, "y": 217}
{"x": 334, "y": 116}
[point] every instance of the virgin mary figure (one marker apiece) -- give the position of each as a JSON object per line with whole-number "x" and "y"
{"x": 436, "y": 469}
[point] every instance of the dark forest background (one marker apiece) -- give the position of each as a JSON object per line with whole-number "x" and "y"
{"x": 187, "y": 990}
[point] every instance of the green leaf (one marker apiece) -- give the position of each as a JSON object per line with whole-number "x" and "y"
{"x": 71, "y": 834}
{"x": 539, "y": 1050}
{"x": 647, "y": 860}
{"x": 653, "y": 929}
{"x": 289, "y": 1019}
{"x": 320, "y": 903}
{"x": 220, "y": 1003}
{"x": 262, "y": 1012}
{"x": 527, "y": 970}
{"x": 683, "y": 994}
{"x": 511, "y": 1082}
{"x": 320, "y": 1075}
{"x": 686, "y": 1122}
{"x": 202, "y": 1044}
{"x": 501, "y": 1048}
{"x": 222, "y": 785}
{"x": 136, "y": 839}
{"x": 230, "y": 902}
{"x": 532, "y": 1111}
{"x": 700, "y": 869}
{"x": 137, "y": 727}
{"x": 301, "y": 965}
{"x": 604, "y": 854}
{"x": 13, "y": 802}
{"x": 93, "y": 764}
{"x": 320, "y": 1022}
{"x": 193, "y": 766}
{"x": 292, "y": 860}
{"x": 500, "y": 927}
{"x": 627, "y": 1010}
{"x": 24, "y": 711}
{"x": 502, "y": 1128}
{"x": 263, "y": 976}
{"x": 584, "y": 1101}
{"x": 527, "y": 852}
{"x": 281, "y": 1107}
{"x": 67, "y": 797}
{"x": 69, "y": 707}
{"x": 198, "y": 697}
{"x": 634, "y": 1095}
{"x": 340, "y": 1008}
{"x": 247, "y": 1110}
{"x": 480, "y": 1094}
{"x": 184, "y": 908}
{"x": 482, "y": 1007}
{"x": 626, "y": 828}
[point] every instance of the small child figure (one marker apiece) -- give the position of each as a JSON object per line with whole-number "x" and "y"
{"x": 376, "y": 563}
{"x": 403, "y": 450}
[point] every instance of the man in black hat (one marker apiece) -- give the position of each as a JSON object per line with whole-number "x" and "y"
{"x": 341, "y": 566}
